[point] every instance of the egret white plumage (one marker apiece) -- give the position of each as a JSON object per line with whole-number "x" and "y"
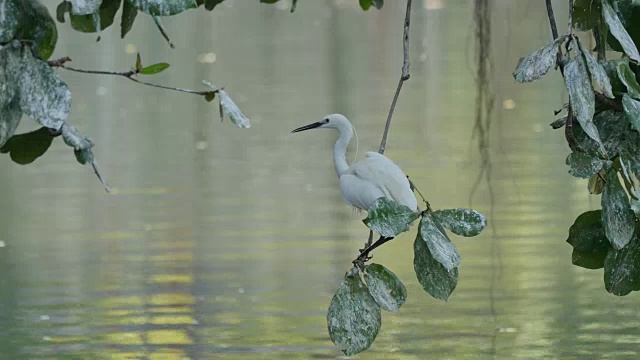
{"x": 367, "y": 180}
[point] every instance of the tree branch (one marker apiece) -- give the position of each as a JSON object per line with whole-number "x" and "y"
{"x": 404, "y": 77}
{"x": 554, "y": 33}
{"x": 129, "y": 75}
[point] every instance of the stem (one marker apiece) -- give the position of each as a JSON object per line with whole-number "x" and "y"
{"x": 129, "y": 75}
{"x": 404, "y": 77}
{"x": 554, "y": 33}
{"x": 570, "y": 25}
{"x": 364, "y": 255}
{"x": 156, "y": 19}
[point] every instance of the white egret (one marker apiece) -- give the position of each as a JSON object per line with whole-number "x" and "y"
{"x": 367, "y": 180}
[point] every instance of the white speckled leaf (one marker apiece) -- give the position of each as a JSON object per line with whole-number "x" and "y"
{"x": 43, "y": 95}
{"x": 622, "y": 269}
{"x": 440, "y": 247}
{"x": 85, "y": 7}
{"x": 82, "y": 150}
{"x": 432, "y": 276}
{"x": 617, "y": 216}
{"x": 232, "y": 111}
{"x": 632, "y": 109}
{"x": 388, "y": 218}
{"x": 354, "y": 317}
{"x": 385, "y": 287}
{"x": 537, "y": 64}
{"x": 628, "y": 78}
{"x": 8, "y": 20}
{"x": 163, "y": 7}
{"x": 10, "y": 68}
{"x": 582, "y": 165}
{"x": 597, "y": 71}
{"x": 618, "y": 31}
{"x": 463, "y": 222}
{"x": 10, "y": 116}
{"x": 581, "y": 94}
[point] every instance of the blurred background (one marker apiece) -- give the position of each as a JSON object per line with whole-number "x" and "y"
{"x": 219, "y": 242}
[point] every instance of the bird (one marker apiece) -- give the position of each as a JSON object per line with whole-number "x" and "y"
{"x": 367, "y": 180}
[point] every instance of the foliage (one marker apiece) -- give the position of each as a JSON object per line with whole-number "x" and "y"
{"x": 606, "y": 144}
{"x": 436, "y": 261}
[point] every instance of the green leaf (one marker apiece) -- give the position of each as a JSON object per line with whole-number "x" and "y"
{"x": 354, "y": 317}
{"x": 129, "y": 13}
{"x": 557, "y": 124}
{"x": 138, "y": 62}
{"x": 43, "y": 95}
{"x": 538, "y": 63}
{"x": 586, "y": 14}
{"x": 366, "y": 4}
{"x": 26, "y": 148}
{"x": 385, "y": 287}
{"x": 587, "y": 233}
{"x": 628, "y": 78}
{"x": 163, "y": 7}
{"x": 210, "y": 96}
{"x": 463, "y": 222}
{"x": 622, "y": 269}
{"x": 211, "y": 4}
{"x": 588, "y": 260}
{"x": 63, "y": 8}
{"x": 611, "y": 68}
{"x": 596, "y": 183}
{"x": 98, "y": 20}
{"x": 632, "y": 109}
{"x": 581, "y": 95}
{"x": 36, "y": 24}
{"x": 294, "y": 3}
{"x": 388, "y": 218}
{"x": 597, "y": 71}
{"x": 618, "y": 31}
{"x": 440, "y": 247}
{"x": 10, "y": 116}
{"x": 583, "y": 165}
{"x": 84, "y": 7}
{"x": 82, "y": 150}
{"x": 432, "y": 276}
{"x": 617, "y": 216}
{"x": 154, "y": 69}
{"x": 9, "y": 19}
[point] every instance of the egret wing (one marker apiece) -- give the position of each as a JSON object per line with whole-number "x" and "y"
{"x": 359, "y": 192}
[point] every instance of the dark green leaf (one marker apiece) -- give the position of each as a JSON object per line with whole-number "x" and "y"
{"x": 63, "y": 8}
{"x": 557, "y": 124}
{"x": 97, "y": 21}
{"x": 617, "y": 216}
{"x": 632, "y": 109}
{"x": 596, "y": 183}
{"x": 366, "y": 4}
{"x": 586, "y": 14}
{"x": 618, "y": 31}
{"x": 129, "y": 13}
{"x": 587, "y": 233}
{"x": 9, "y": 18}
{"x": 84, "y": 7}
{"x": 628, "y": 78}
{"x": 294, "y": 3}
{"x": 388, "y": 218}
{"x": 36, "y": 24}
{"x": 163, "y": 32}
{"x": 463, "y": 222}
{"x": 385, "y": 287}
{"x": 154, "y": 69}
{"x": 163, "y": 7}
{"x": 537, "y": 64}
{"x": 211, "y": 4}
{"x": 210, "y": 96}
{"x": 26, "y": 148}
{"x": 10, "y": 116}
{"x": 269, "y": 1}
{"x": 588, "y": 260}
{"x": 582, "y": 165}
{"x": 43, "y": 95}
{"x": 354, "y": 317}
{"x": 622, "y": 269}
{"x": 432, "y": 276}
{"x": 597, "y": 71}
{"x": 440, "y": 247}
{"x": 138, "y": 62}
{"x": 581, "y": 95}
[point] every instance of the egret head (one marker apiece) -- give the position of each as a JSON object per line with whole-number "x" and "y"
{"x": 335, "y": 121}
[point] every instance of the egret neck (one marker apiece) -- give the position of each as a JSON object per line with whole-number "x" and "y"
{"x": 340, "y": 148}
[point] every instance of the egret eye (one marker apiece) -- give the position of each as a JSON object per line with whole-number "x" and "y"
{"x": 326, "y": 121}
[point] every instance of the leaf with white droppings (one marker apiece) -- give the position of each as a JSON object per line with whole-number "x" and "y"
{"x": 463, "y": 222}
{"x": 537, "y": 64}
{"x": 432, "y": 276}
{"x": 583, "y": 165}
{"x": 618, "y": 31}
{"x": 622, "y": 269}
{"x": 617, "y": 216}
{"x": 9, "y": 18}
{"x": 43, "y": 95}
{"x": 354, "y": 317}
{"x": 628, "y": 78}
{"x": 581, "y": 95}
{"x": 587, "y": 233}
{"x": 10, "y": 69}
{"x": 37, "y": 26}
{"x": 597, "y": 71}
{"x": 385, "y": 287}
{"x": 388, "y": 218}
{"x": 229, "y": 108}
{"x": 440, "y": 247}
{"x": 82, "y": 150}
{"x": 84, "y": 7}
{"x": 163, "y": 7}
{"x": 632, "y": 109}
{"x": 10, "y": 116}
{"x": 97, "y": 21}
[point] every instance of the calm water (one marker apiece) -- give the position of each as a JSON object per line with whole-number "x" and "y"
{"x": 219, "y": 242}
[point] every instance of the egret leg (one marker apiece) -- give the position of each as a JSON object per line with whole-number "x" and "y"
{"x": 369, "y": 241}
{"x": 364, "y": 255}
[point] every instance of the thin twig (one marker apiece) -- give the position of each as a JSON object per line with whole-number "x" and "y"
{"x": 570, "y": 25}
{"x": 156, "y": 19}
{"x": 602, "y": 56}
{"x": 129, "y": 75}
{"x": 404, "y": 77}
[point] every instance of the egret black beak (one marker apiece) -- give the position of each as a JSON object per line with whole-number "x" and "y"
{"x": 308, "y": 127}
